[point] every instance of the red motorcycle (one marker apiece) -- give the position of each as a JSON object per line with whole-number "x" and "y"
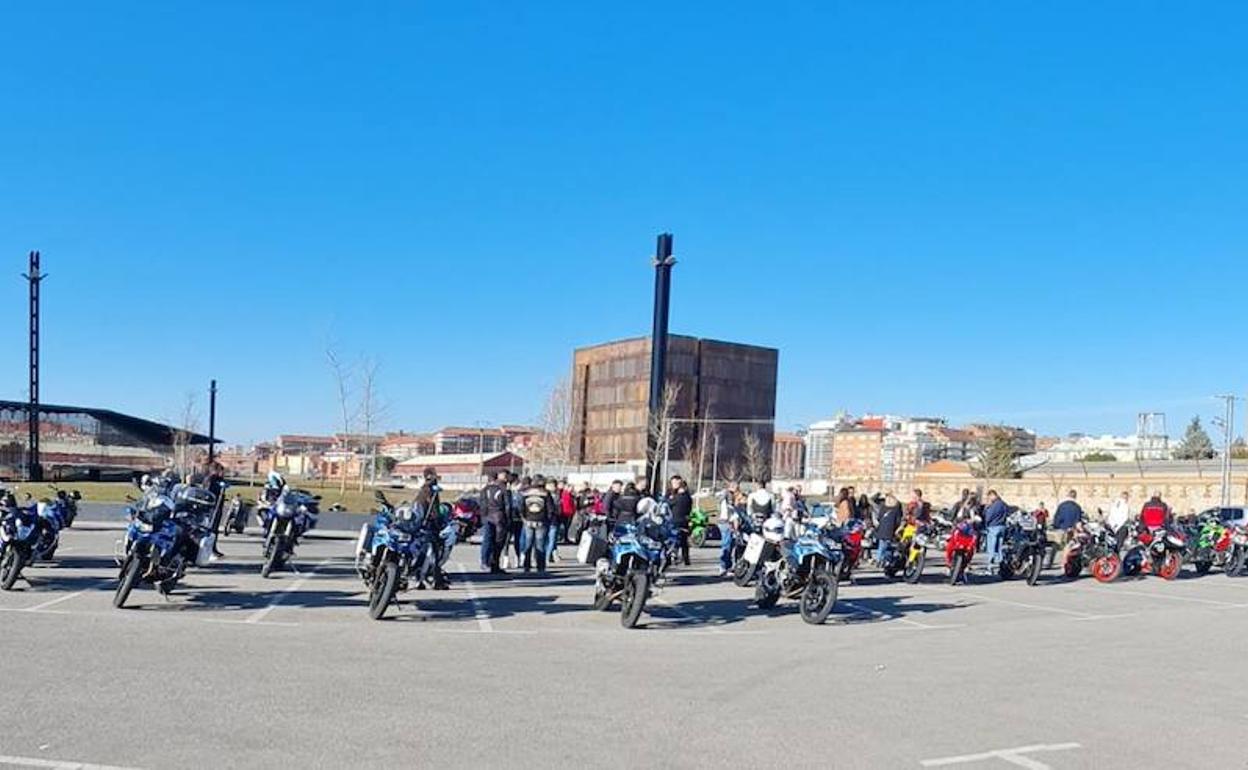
{"x": 467, "y": 517}
{"x": 850, "y": 537}
{"x": 1165, "y": 549}
{"x": 960, "y": 549}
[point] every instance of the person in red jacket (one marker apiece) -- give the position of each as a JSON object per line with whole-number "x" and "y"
{"x": 1155, "y": 514}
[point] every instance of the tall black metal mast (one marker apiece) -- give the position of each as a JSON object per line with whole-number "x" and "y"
{"x": 34, "y": 471}
{"x": 663, "y": 262}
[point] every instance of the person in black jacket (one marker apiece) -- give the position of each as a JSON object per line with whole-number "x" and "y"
{"x": 608, "y": 500}
{"x": 624, "y": 506}
{"x": 495, "y": 505}
{"x": 886, "y": 528}
{"x": 429, "y": 499}
{"x": 537, "y": 512}
{"x": 681, "y": 504}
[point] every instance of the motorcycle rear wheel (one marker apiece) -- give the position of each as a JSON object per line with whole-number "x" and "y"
{"x": 634, "y": 599}
{"x": 1073, "y": 567}
{"x": 129, "y": 578}
{"x": 1203, "y": 567}
{"x": 1234, "y": 563}
{"x": 384, "y": 587}
{"x": 1106, "y": 569}
{"x": 11, "y": 567}
{"x": 743, "y": 573}
{"x": 818, "y": 597}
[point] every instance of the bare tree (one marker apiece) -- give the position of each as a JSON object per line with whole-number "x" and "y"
{"x": 554, "y": 444}
{"x": 660, "y": 430}
{"x": 342, "y": 386}
{"x": 371, "y": 411}
{"x": 186, "y": 426}
{"x": 754, "y": 457}
{"x": 731, "y": 472}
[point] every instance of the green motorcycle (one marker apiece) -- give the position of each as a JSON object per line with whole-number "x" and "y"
{"x": 699, "y": 523}
{"x": 1208, "y": 544}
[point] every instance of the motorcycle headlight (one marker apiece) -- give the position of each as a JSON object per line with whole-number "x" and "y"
{"x": 144, "y": 526}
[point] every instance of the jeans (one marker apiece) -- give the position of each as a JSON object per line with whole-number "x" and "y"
{"x": 553, "y": 533}
{"x": 517, "y": 529}
{"x": 532, "y": 541}
{"x": 882, "y": 549}
{"x": 992, "y": 542}
{"x": 491, "y": 544}
{"x": 725, "y": 547}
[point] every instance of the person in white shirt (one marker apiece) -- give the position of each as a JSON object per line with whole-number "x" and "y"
{"x": 1119, "y": 515}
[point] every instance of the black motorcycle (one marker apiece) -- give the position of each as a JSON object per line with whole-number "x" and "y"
{"x": 1023, "y": 548}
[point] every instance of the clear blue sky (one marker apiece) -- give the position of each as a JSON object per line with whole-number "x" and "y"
{"x": 1025, "y": 212}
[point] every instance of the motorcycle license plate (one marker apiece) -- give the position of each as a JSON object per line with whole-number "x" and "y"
{"x": 754, "y": 549}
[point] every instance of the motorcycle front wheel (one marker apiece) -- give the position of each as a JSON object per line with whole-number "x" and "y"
{"x": 1171, "y": 565}
{"x": 818, "y": 597}
{"x": 1073, "y": 566}
{"x": 11, "y": 567}
{"x": 1106, "y": 569}
{"x": 957, "y": 569}
{"x": 633, "y": 602}
{"x": 129, "y": 578}
{"x": 383, "y": 589}
{"x": 697, "y": 538}
{"x": 272, "y": 558}
{"x": 914, "y": 567}
{"x": 764, "y": 595}
{"x": 602, "y": 596}
{"x": 1234, "y": 563}
{"x": 1034, "y": 569}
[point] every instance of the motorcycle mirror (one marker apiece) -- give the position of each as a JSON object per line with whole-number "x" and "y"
{"x": 76, "y": 495}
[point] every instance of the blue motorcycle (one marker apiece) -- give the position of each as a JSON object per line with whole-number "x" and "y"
{"x": 808, "y": 573}
{"x": 393, "y": 551}
{"x": 635, "y": 564}
{"x": 20, "y": 540}
{"x": 167, "y": 534}
{"x": 294, "y": 514}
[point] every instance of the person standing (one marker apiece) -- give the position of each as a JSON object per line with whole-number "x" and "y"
{"x": 1067, "y": 515}
{"x": 995, "y": 514}
{"x": 844, "y": 506}
{"x": 624, "y": 506}
{"x": 495, "y": 515}
{"x": 429, "y": 502}
{"x": 918, "y": 508}
{"x": 536, "y": 515}
{"x": 886, "y": 528}
{"x": 557, "y": 521}
{"x": 729, "y": 524}
{"x": 608, "y": 501}
{"x": 680, "y": 503}
{"x": 1119, "y": 516}
{"x": 515, "y": 523}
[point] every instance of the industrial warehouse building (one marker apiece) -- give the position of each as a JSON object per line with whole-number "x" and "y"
{"x": 713, "y": 380}
{"x": 82, "y": 442}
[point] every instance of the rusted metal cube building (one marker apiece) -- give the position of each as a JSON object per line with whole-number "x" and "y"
{"x": 712, "y": 380}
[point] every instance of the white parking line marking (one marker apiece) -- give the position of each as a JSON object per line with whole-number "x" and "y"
{"x": 1026, "y": 606}
{"x": 53, "y": 602}
{"x": 1013, "y": 756}
{"x": 484, "y": 625}
{"x": 57, "y": 764}
{"x": 1171, "y": 597}
{"x": 1106, "y": 617}
{"x": 263, "y": 612}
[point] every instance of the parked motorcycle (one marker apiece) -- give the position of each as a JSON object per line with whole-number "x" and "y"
{"x": 633, "y": 568}
{"x": 235, "y": 516}
{"x": 393, "y": 551}
{"x": 810, "y": 575}
{"x": 699, "y": 526}
{"x": 68, "y": 503}
{"x": 849, "y": 535}
{"x": 1081, "y": 550}
{"x": 466, "y": 515}
{"x": 1023, "y": 548}
{"x": 294, "y": 514}
{"x": 1237, "y": 551}
{"x": 19, "y": 540}
{"x": 1209, "y": 542}
{"x": 166, "y": 535}
{"x": 908, "y": 555}
{"x": 1165, "y": 548}
{"x": 960, "y": 549}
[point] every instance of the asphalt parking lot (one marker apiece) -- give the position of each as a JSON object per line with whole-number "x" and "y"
{"x": 238, "y": 671}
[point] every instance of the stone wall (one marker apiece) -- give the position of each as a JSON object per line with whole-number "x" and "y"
{"x": 1185, "y": 494}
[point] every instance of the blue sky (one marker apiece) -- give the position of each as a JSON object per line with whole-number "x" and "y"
{"x": 1012, "y": 211}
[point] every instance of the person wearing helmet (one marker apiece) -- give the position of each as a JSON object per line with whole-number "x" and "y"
{"x": 429, "y": 502}
{"x": 538, "y": 513}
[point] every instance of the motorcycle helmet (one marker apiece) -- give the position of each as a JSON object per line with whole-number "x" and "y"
{"x": 773, "y": 529}
{"x": 646, "y": 507}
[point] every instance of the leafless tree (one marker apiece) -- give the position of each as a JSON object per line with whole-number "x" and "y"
{"x": 731, "y": 472}
{"x": 553, "y": 446}
{"x": 185, "y": 427}
{"x": 753, "y": 457}
{"x": 660, "y": 430}
{"x": 342, "y": 388}
{"x": 371, "y": 411}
